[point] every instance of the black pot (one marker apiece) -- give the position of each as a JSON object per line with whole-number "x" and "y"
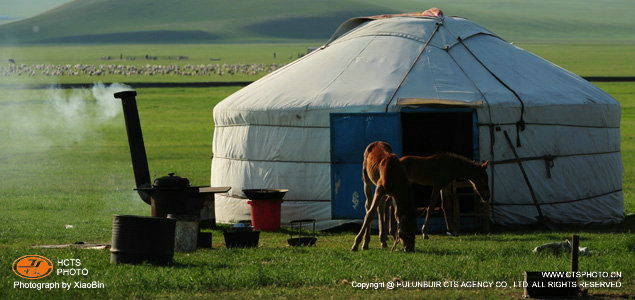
{"x": 173, "y": 195}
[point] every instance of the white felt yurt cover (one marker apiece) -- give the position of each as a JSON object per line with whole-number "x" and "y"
{"x": 274, "y": 133}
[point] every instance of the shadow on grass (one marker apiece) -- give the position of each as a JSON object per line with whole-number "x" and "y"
{"x": 522, "y": 238}
{"x": 627, "y": 225}
{"x": 439, "y": 251}
{"x": 212, "y": 266}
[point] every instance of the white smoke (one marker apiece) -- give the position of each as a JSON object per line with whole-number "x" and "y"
{"x": 40, "y": 119}
{"x": 106, "y": 102}
{"x": 82, "y": 104}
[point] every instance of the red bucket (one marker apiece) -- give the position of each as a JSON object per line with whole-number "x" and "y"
{"x": 265, "y": 214}
{"x": 265, "y": 208}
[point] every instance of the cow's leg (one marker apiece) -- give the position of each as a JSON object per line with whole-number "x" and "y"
{"x": 381, "y": 212}
{"x": 392, "y": 229}
{"x": 447, "y": 206}
{"x": 370, "y": 214}
{"x": 396, "y": 224}
{"x": 433, "y": 200}
{"x": 424, "y": 230}
{"x": 368, "y": 192}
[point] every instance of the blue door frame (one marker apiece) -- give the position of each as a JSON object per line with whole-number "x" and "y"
{"x": 350, "y": 134}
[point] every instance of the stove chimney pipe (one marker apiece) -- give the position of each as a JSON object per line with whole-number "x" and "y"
{"x": 135, "y": 140}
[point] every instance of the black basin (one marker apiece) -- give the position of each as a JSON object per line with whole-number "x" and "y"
{"x": 241, "y": 238}
{"x": 265, "y": 194}
{"x": 302, "y": 241}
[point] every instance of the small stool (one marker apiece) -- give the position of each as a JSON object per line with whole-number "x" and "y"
{"x": 185, "y": 233}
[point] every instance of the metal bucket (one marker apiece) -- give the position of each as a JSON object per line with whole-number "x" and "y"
{"x": 204, "y": 240}
{"x": 136, "y": 239}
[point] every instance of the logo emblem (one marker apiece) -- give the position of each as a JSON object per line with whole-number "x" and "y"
{"x": 32, "y": 267}
{"x": 355, "y": 199}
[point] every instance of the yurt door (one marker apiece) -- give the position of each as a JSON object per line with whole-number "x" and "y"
{"x": 350, "y": 134}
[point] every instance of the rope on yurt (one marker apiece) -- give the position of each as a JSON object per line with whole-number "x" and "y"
{"x": 553, "y": 124}
{"x": 492, "y": 138}
{"x": 425, "y": 46}
{"x": 550, "y": 157}
{"x": 522, "y": 170}
{"x": 520, "y": 125}
{"x": 593, "y": 197}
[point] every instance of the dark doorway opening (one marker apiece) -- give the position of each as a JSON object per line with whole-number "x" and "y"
{"x": 426, "y": 133}
{"x": 429, "y": 133}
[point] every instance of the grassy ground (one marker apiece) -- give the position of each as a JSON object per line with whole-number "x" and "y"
{"x": 64, "y": 163}
{"x": 275, "y": 269}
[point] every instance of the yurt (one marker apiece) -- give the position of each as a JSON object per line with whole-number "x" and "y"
{"x": 423, "y": 82}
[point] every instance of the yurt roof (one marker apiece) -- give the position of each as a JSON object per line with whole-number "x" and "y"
{"x": 372, "y": 63}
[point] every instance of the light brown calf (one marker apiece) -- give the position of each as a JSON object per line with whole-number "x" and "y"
{"x": 382, "y": 168}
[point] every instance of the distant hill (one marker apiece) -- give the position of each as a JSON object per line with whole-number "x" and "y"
{"x": 237, "y": 21}
{"x": 13, "y": 10}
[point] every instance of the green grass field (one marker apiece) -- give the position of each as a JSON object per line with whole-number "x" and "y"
{"x": 582, "y": 59}
{"x": 65, "y": 164}
{"x": 196, "y": 53}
